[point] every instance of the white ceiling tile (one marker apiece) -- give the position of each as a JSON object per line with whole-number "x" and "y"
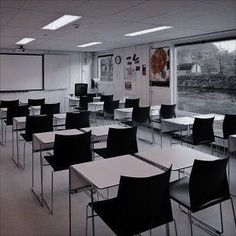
{"x": 11, "y": 3}
{"x": 6, "y": 14}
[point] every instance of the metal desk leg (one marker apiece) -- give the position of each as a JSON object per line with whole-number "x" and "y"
{"x": 93, "y": 228}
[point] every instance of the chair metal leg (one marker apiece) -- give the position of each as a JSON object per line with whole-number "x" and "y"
{"x": 52, "y": 193}
{"x": 69, "y": 202}
{"x": 86, "y": 229}
{"x": 176, "y": 232}
{"x": 93, "y": 227}
{"x": 232, "y": 204}
{"x": 190, "y": 222}
{"x": 167, "y": 230}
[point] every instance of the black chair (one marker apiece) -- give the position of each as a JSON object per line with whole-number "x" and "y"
{"x": 166, "y": 112}
{"x": 36, "y": 124}
{"x": 81, "y": 89}
{"x": 109, "y": 107}
{"x": 36, "y": 102}
{"x": 131, "y": 102}
{"x": 83, "y": 103}
{"x": 141, "y": 204}
{"x": 202, "y": 132}
{"x": 119, "y": 142}
{"x": 77, "y": 120}
{"x": 206, "y": 187}
{"x": 50, "y": 109}
{"x": 16, "y": 111}
{"x": 68, "y": 150}
{"x": 141, "y": 117}
{"x": 106, "y": 98}
{"x": 228, "y": 128}
{"x": 9, "y": 103}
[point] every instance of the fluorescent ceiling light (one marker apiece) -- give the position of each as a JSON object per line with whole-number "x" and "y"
{"x": 88, "y": 44}
{"x": 60, "y": 22}
{"x": 147, "y": 31}
{"x": 25, "y": 41}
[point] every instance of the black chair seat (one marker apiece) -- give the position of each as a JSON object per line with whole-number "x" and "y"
{"x": 179, "y": 192}
{"x": 103, "y": 152}
{"x": 127, "y": 122}
{"x": 55, "y": 165}
{"x": 189, "y": 139}
{"x": 26, "y": 137}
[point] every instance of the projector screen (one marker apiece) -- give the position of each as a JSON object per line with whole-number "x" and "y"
{"x": 20, "y": 72}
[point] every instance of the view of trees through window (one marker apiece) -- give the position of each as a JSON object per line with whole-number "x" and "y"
{"x": 206, "y": 77}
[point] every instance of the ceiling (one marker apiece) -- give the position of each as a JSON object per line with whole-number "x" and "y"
{"x": 108, "y": 20}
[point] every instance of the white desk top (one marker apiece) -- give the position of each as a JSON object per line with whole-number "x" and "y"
{"x": 186, "y": 120}
{"x": 49, "y": 137}
{"x": 59, "y": 116}
{"x": 3, "y": 109}
{"x": 179, "y": 157}
{"x": 96, "y": 103}
{"x": 106, "y": 173}
{"x": 101, "y": 130}
{"x": 35, "y": 107}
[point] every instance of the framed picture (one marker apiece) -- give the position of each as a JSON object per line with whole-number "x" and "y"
{"x": 160, "y": 67}
{"x": 106, "y": 68}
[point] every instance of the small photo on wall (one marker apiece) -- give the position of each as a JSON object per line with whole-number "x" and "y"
{"x": 128, "y": 85}
{"x": 160, "y": 67}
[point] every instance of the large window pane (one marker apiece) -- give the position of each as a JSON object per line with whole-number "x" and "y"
{"x": 206, "y": 75}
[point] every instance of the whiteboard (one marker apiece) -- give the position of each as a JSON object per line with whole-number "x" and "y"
{"x": 56, "y": 72}
{"x": 20, "y": 72}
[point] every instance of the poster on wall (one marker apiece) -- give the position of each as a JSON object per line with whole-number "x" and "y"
{"x": 160, "y": 67}
{"x": 106, "y": 68}
{"x": 128, "y": 85}
{"x": 130, "y": 73}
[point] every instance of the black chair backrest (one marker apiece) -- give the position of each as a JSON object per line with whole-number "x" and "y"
{"x": 203, "y": 130}
{"x": 38, "y": 124}
{"x": 36, "y": 102}
{"x": 72, "y": 149}
{"x": 208, "y": 181}
{"x": 110, "y": 106}
{"x": 83, "y": 103}
{"x": 9, "y": 103}
{"x": 50, "y": 109}
{"x": 145, "y": 202}
{"x": 131, "y": 102}
{"x": 81, "y": 89}
{"x": 77, "y": 120}
{"x": 141, "y": 115}
{"x": 106, "y": 98}
{"x": 229, "y": 125}
{"x": 122, "y": 141}
{"x": 16, "y": 111}
{"x": 167, "y": 111}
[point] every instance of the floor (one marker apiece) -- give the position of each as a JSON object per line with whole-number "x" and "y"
{"x": 21, "y": 214}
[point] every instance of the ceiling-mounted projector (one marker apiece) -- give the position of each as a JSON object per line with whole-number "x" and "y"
{"x": 20, "y": 49}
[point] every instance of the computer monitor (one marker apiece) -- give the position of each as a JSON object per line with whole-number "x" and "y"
{"x": 81, "y": 89}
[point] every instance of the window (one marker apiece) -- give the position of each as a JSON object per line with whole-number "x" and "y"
{"x": 105, "y": 68}
{"x": 206, "y": 77}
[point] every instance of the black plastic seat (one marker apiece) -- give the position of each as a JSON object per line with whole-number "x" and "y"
{"x": 36, "y": 102}
{"x": 77, "y": 120}
{"x": 206, "y": 186}
{"x": 69, "y": 150}
{"x": 141, "y": 204}
{"x": 50, "y": 109}
{"x": 9, "y": 103}
{"x": 202, "y": 132}
{"x": 16, "y": 111}
{"x": 119, "y": 142}
{"x": 106, "y": 98}
{"x": 109, "y": 107}
{"x": 83, "y": 103}
{"x": 141, "y": 118}
{"x": 131, "y": 102}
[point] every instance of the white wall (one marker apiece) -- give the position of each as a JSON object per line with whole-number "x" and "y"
{"x": 77, "y": 62}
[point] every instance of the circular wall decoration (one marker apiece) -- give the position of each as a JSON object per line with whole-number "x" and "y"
{"x": 118, "y": 59}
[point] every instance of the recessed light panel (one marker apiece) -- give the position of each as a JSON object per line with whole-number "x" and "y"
{"x": 60, "y": 22}
{"x": 89, "y": 44}
{"x": 147, "y": 31}
{"x": 25, "y": 41}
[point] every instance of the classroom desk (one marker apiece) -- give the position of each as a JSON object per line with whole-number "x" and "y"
{"x": 35, "y": 110}
{"x": 103, "y": 174}
{"x": 42, "y": 142}
{"x": 179, "y": 157}
{"x": 18, "y": 125}
{"x": 126, "y": 113}
{"x": 3, "y": 116}
{"x": 99, "y": 133}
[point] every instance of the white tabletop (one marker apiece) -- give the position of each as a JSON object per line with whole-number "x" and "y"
{"x": 3, "y": 113}
{"x": 59, "y": 116}
{"x": 179, "y": 157}
{"x": 49, "y": 137}
{"x": 106, "y": 173}
{"x": 186, "y": 120}
{"x": 100, "y": 133}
